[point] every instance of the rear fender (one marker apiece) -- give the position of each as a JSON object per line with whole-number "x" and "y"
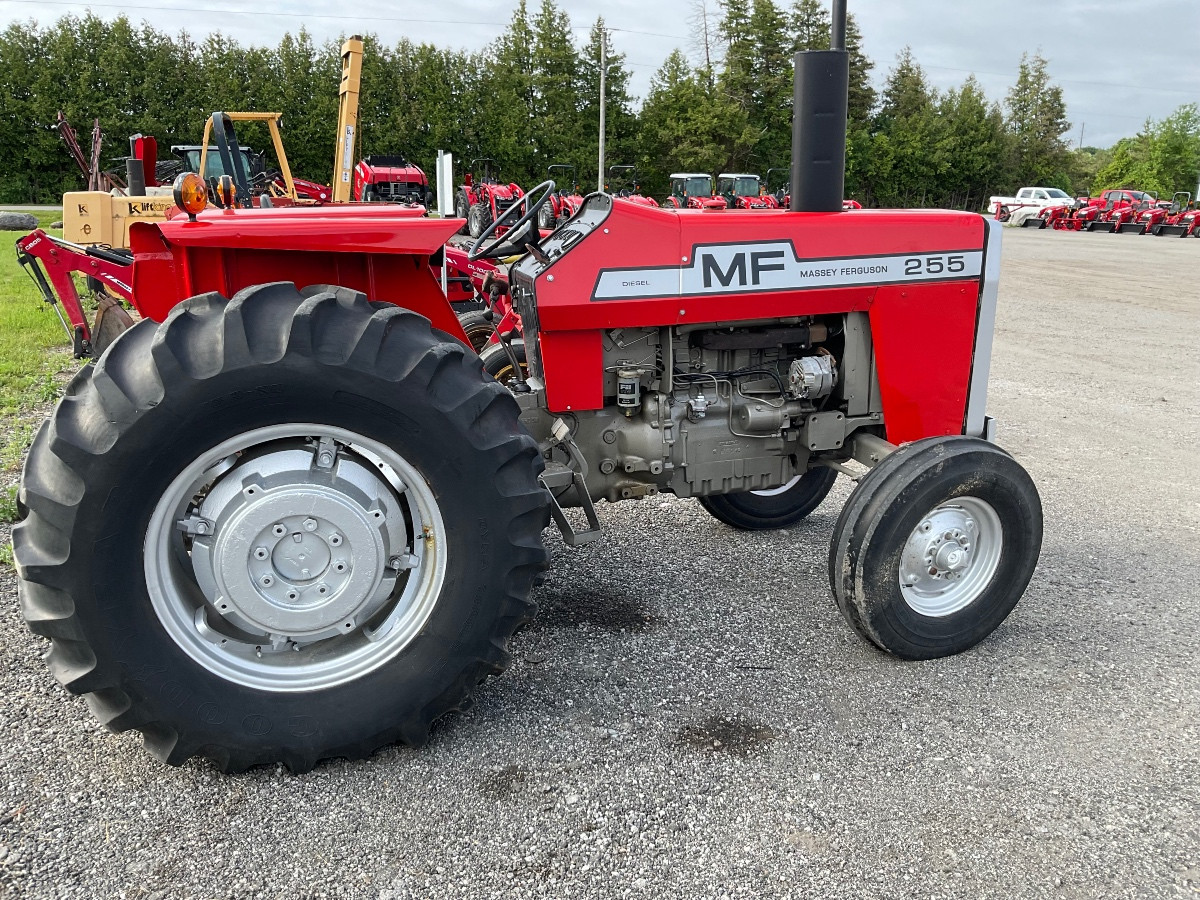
{"x": 384, "y": 253}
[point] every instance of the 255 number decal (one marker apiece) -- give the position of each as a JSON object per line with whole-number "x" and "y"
{"x": 935, "y": 265}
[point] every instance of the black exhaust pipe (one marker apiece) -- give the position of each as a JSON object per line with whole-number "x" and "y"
{"x": 819, "y": 106}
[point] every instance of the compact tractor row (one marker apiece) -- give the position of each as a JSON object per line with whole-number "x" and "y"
{"x": 288, "y": 515}
{"x": 1117, "y": 211}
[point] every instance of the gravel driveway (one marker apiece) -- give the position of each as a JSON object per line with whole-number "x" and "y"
{"x": 690, "y": 717}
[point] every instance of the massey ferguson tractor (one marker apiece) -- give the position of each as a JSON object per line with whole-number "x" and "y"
{"x": 287, "y": 516}
{"x": 742, "y": 191}
{"x": 693, "y": 190}
{"x": 482, "y": 198}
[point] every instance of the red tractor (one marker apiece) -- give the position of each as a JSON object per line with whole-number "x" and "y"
{"x": 624, "y": 185}
{"x": 1181, "y": 222}
{"x": 693, "y": 190}
{"x": 782, "y": 195}
{"x": 482, "y": 198}
{"x": 742, "y": 191}
{"x": 1113, "y": 208}
{"x": 391, "y": 178}
{"x": 1147, "y": 218}
{"x": 287, "y": 516}
{"x": 562, "y": 203}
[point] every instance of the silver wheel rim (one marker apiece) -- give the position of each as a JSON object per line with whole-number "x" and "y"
{"x": 951, "y": 556}
{"x": 782, "y": 489}
{"x": 295, "y": 557}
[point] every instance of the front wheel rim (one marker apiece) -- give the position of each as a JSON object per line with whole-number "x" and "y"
{"x": 951, "y": 556}
{"x": 295, "y": 557}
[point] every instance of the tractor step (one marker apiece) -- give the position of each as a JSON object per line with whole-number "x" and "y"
{"x": 571, "y": 475}
{"x": 555, "y": 479}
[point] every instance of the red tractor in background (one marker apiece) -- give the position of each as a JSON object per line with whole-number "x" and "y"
{"x": 623, "y": 184}
{"x": 288, "y": 516}
{"x": 563, "y": 203}
{"x": 693, "y": 190}
{"x": 1184, "y": 222}
{"x": 782, "y": 195}
{"x": 743, "y": 191}
{"x": 482, "y": 197}
{"x": 390, "y": 178}
{"x": 1146, "y": 219}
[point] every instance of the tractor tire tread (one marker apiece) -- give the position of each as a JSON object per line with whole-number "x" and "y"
{"x": 209, "y": 335}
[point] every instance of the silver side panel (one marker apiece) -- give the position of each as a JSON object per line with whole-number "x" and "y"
{"x": 976, "y": 424}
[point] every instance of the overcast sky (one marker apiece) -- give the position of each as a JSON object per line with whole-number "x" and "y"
{"x": 1118, "y": 61}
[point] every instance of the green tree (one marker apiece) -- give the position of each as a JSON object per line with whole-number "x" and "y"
{"x": 1037, "y": 120}
{"x": 685, "y": 126}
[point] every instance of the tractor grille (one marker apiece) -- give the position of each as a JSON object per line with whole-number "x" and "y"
{"x": 401, "y": 191}
{"x": 522, "y": 290}
{"x": 504, "y": 203}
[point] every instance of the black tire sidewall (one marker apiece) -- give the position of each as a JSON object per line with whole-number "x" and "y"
{"x": 750, "y": 511}
{"x": 889, "y": 518}
{"x": 161, "y": 677}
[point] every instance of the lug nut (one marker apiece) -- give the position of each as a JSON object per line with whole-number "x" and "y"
{"x": 260, "y": 553}
{"x": 335, "y": 539}
{"x": 267, "y": 581}
{"x": 310, "y": 524}
{"x": 278, "y": 530}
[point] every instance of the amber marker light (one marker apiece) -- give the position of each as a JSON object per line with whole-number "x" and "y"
{"x": 190, "y": 193}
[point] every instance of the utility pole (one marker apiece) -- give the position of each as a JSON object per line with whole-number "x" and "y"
{"x": 1081, "y": 126}
{"x": 603, "y": 66}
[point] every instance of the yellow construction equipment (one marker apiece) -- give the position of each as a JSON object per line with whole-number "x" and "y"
{"x": 347, "y": 126}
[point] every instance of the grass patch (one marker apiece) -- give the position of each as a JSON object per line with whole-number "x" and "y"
{"x": 8, "y": 504}
{"x": 34, "y": 348}
{"x": 35, "y": 363}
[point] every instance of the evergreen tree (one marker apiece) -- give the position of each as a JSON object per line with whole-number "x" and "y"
{"x": 1037, "y": 119}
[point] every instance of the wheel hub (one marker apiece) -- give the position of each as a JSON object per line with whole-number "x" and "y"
{"x": 950, "y": 557}
{"x": 299, "y": 543}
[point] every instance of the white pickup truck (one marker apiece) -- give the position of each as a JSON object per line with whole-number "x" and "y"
{"x": 1028, "y": 198}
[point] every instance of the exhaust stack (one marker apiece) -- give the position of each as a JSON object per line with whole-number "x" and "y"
{"x": 819, "y": 122}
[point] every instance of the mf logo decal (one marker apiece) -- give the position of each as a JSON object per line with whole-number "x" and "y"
{"x": 774, "y": 266}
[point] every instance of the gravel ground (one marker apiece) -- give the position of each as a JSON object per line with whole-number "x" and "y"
{"x": 690, "y": 717}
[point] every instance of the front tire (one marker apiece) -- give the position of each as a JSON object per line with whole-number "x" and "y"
{"x": 478, "y": 219}
{"x": 777, "y": 508}
{"x": 286, "y": 527}
{"x": 935, "y": 546}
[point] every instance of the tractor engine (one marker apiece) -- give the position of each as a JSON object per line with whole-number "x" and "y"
{"x": 699, "y": 409}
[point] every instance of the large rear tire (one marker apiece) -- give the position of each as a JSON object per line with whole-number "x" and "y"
{"x": 935, "y": 546}
{"x": 777, "y": 508}
{"x": 286, "y": 527}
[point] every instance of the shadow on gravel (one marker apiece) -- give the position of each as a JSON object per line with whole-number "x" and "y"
{"x": 726, "y": 734}
{"x": 596, "y": 608}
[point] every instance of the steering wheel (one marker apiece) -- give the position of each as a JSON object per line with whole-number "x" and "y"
{"x": 499, "y": 247}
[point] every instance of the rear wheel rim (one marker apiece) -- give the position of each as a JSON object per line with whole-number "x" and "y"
{"x": 284, "y": 580}
{"x": 951, "y": 557}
